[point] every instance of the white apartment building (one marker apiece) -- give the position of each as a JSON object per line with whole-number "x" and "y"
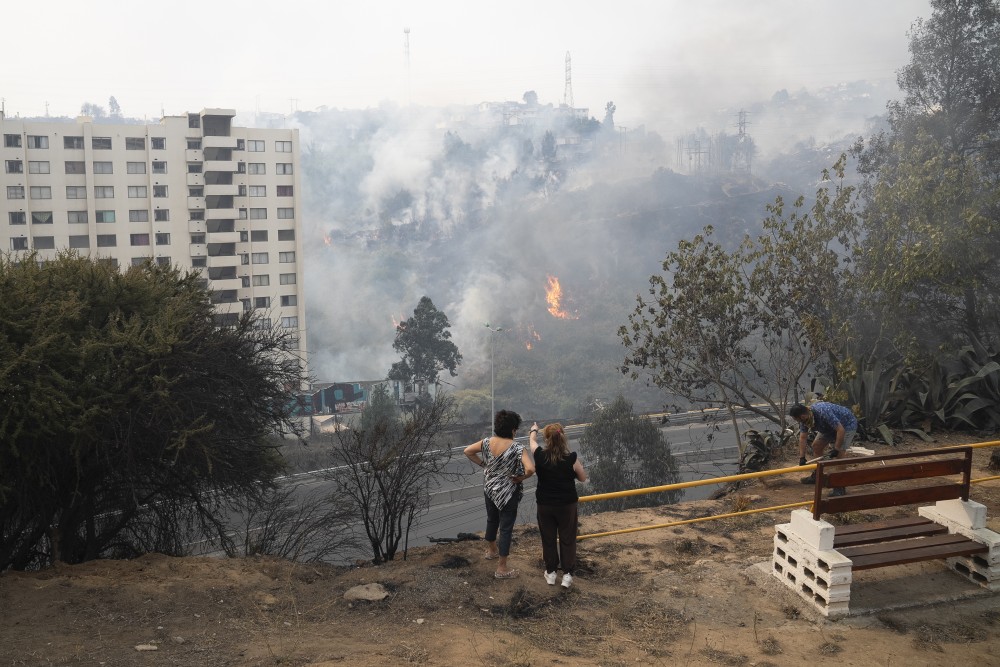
{"x": 191, "y": 190}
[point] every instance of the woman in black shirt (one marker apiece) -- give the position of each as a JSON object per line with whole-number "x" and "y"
{"x": 558, "y": 471}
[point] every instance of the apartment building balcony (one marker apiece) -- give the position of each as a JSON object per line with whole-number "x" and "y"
{"x": 216, "y": 249}
{"x": 197, "y": 249}
{"x": 193, "y": 155}
{"x": 197, "y": 226}
{"x": 217, "y": 238}
{"x": 221, "y": 213}
{"x": 222, "y": 296}
{"x": 208, "y": 141}
{"x": 224, "y": 166}
{"x": 196, "y": 202}
{"x": 195, "y": 179}
{"x": 219, "y": 261}
{"x": 224, "y": 189}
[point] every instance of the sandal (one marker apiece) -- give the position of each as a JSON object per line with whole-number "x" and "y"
{"x": 509, "y": 574}
{"x": 490, "y": 556}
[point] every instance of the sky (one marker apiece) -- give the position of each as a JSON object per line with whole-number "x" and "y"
{"x": 655, "y": 59}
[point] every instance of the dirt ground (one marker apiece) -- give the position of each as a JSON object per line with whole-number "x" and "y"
{"x": 697, "y": 594}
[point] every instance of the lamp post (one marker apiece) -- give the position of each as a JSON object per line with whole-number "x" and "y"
{"x": 493, "y": 346}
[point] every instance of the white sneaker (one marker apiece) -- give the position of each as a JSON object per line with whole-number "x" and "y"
{"x": 567, "y": 580}
{"x": 550, "y": 578}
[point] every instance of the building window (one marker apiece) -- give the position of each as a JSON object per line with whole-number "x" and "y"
{"x": 40, "y": 192}
{"x": 139, "y": 261}
{"x": 259, "y": 258}
{"x": 14, "y": 167}
{"x": 285, "y": 190}
{"x": 135, "y": 167}
{"x": 195, "y": 167}
{"x": 101, "y": 143}
{"x": 162, "y": 238}
{"x": 283, "y": 146}
{"x": 104, "y": 168}
{"x": 135, "y": 191}
{"x": 286, "y": 234}
{"x": 256, "y": 168}
{"x": 286, "y": 213}
{"x": 289, "y": 300}
{"x": 199, "y": 262}
{"x": 197, "y": 238}
{"x": 38, "y": 141}
{"x": 286, "y": 279}
{"x": 41, "y": 217}
{"x": 290, "y": 322}
{"x": 159, "y": 191}
{"x": 258, "y": 235}
{"x": 139, "y": 239}
{"x": 12, "y": 141}
{"x": 245, "y": 282}
{"x": 163, "y": 261}
{"x": 37, "y": 167}
{"x": 77, "y": 218}
{"x": 258, "y": 214}
{"x": 196, "y": 192}
{"x": 196, "y": 215}
{"x": 241, "y": 190}
{"x": 159, "y": 167}
{"x": 244, "y": 237}
{"x": 106, "y": 241}
{"x": 73, "y": 143}
{"x": 246, "y": 304}
{"x": 76, "y": 167}
{"x": 104, "y": 192}
{"x": 255, "y": 146}
{"x": 79, "y": 241}
{"x": 241, "y": 145}
{"x": 258, "y": 190}
{"x": 76, "y": 192}
{"x": 262, "y": 302}
{"x": 194, "y": 144}
{"x": 194, "y": 120}
{"x": 157, "y": 143}
{"x": 134, "y": 144}
{"x": 286, "y": 257}
{"x": 17, "y": 218}
{"x": 43, "y": 242}
{"x": 264, "y": 323}
{"x": 18, "y": 242}
{"x": 283, "y": 168}
{"x": 104, "y": 216}
{"x": 262, "y": 280}
{"x": 15, "y": 192}
{"x": 243, "y": 214}
{"x": 161, "y": 215}
{"x": 138, "y": 215}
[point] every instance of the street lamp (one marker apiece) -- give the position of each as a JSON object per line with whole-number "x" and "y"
{"x": 493, "y": 347}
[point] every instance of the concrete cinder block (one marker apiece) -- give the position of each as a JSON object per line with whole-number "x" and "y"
{"x": 817, "y": 534}
{"x": 964, "y": 513}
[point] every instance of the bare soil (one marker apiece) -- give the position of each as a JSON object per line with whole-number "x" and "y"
{"x": 694, "y": 594}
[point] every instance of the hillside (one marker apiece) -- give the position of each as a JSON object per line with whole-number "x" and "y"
{"x": 687, "y": 595}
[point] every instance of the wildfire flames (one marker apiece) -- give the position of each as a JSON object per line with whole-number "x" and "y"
{"x": 554, "y": 296}
{"x": 530, "y": 343}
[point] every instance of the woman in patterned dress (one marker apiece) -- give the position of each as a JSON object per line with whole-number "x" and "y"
{"x": 506, "y": 464}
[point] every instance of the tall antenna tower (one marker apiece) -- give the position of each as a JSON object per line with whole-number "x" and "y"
{"x": 568, "y": 90}
{"x": 406, "y": 53}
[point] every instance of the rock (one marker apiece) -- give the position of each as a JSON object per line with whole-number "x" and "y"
{"x": 371, "y": 592}
{"x": 146, "y": 647}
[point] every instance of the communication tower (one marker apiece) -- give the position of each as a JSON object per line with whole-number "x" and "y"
{"x": 568, "y": 90}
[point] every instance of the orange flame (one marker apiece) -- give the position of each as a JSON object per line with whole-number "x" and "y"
{"x": 327, "y": 241}
{"x": 554, "y": 296}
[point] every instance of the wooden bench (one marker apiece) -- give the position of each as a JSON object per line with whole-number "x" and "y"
{"x": 816, "y": 558}
{"x": 881, "y": 543}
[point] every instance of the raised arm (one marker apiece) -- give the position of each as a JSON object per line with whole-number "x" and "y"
{"x": 533, "y": 437}
{"x": 581, "y": 474}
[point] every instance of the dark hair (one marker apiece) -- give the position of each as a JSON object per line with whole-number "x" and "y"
{"x": 798, "y": 410}
{"x": 555, "y": 442}
{"x": 505, "y": 422}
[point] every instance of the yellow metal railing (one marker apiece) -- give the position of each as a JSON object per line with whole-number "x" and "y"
{"x": 725, "y": 480}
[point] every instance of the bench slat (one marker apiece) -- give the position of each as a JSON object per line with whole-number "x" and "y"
{"x": 889, "y": 534}
{"x": 911, "y": 551}
{"x": 892, "y": 473}
{"x": 854, "y": 528}
{"x": 877, "y": 499}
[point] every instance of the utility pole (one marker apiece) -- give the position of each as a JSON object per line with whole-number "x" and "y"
{"x": 493, "y": 346}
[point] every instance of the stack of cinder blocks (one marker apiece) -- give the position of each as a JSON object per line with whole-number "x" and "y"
{"x": 968, "y": 518}
{"x": 804, "y": 559}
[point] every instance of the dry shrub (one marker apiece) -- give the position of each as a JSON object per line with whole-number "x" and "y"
{"x": 770, "y": 646}
{"x": 724, "y": 657}
{"x": 830, "y": 648}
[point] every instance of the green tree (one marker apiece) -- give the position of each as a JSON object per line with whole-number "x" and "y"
{"x": 425, "y": 342}
{"x": 389, "y": 464}
{"x": 126, "y": 417}
{"x": 625, "y": 451}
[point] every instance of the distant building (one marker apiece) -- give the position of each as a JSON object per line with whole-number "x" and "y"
{"x": 192, "y": 191}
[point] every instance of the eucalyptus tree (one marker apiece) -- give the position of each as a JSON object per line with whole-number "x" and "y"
{"x": 426, "y": 345}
